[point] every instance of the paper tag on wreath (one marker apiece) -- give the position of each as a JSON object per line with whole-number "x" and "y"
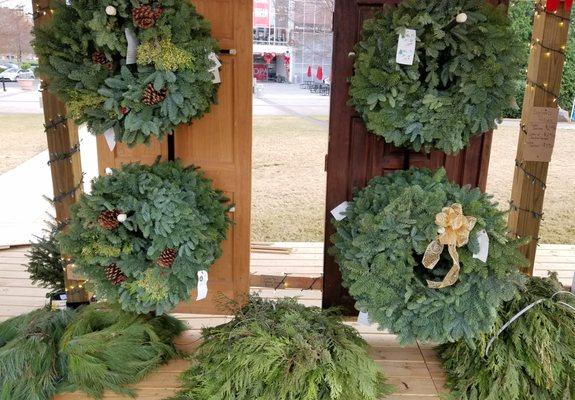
{"x": 215, "y": 70}
{"x": 483, "y": 240}
{"x": 339, "y": 212}
{"x": 406, "y": 47}
{"x": 202, "y": 285}
{"x": 132, "y": 50}
{"x": 110, "y": 137}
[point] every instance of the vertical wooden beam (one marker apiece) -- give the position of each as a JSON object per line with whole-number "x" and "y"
{"x": 62, "y": 137}
{"x": 544, "y": 73}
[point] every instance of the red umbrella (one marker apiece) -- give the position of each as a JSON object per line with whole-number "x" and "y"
{"x": 319, "y": 74}
{"x": 309, "y": 71}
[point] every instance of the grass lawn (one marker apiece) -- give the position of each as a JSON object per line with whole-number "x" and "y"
{"x": 22, "y": 137}
{"x": 289, "y": 180}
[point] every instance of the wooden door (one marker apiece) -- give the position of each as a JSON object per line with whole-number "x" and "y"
{"x": 355, "y": 155}
{"x": 220, "y": 144}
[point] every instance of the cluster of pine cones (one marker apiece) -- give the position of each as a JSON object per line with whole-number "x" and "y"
{"x": 151, "y": 96}
{"x": 145, "y": 16}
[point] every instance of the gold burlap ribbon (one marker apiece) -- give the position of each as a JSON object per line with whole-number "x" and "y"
{"x": 453, "y": 232}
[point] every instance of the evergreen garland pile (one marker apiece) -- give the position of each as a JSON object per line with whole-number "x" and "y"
{"x": 282, "y": 351}
{"x": 534, "y": 358}
{"x": 91, "y": 350}
{"x": 82, "y": 53}
{"x": 463, "y": 76}
{"x": 45, "y": 265}
{"x": 379, "y": 248}
{"x": 143, "y": 233}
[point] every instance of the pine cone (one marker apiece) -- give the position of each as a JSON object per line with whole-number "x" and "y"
{"x": 152, "y": 96}
{"x": 145, "y": 17}
{"x": 115, "y": 275}
{"x": 124, "y": 110}
{"x": 167, "y": 257}
{"x": 109, "y": 219}
{"x": 100, "y": 58}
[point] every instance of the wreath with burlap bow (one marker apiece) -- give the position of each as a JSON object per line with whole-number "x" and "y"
{"x": 136, "y": 69}
{"x": 391, "y": 251}
{"x": 464, "y": 73}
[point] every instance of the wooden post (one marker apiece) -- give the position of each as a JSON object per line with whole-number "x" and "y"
{"x": 544, "y": 73}
{"x": 62, "y": 138}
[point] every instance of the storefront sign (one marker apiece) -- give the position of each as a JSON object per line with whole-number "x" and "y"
{"x": 261, "y": 13}
{"x": 261, "y": 72}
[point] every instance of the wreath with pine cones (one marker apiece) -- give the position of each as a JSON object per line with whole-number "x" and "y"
{"x": 464, "y": 73}
{"x": 138, "y": 68}
{"x": 144, "y": 232}
{"x": 395, "y": 226}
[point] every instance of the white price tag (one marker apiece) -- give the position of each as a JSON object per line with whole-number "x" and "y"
{"x": 110, "y": 138}
{"x": 58, "y": 305}
{"x": 339, "y": 212}
{"x": 483, "y": 240}
{"x": 406, "y": 47}
{"x": 363, "y": 319}
{"x": 202, "y": 285}
{"x": 215, "y": 70}
{"x": 132, "y": 50}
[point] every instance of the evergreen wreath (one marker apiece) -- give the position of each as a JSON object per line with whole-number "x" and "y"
{"x": 143, "y": 233}
{"x": 380, "y": 245}
{"x": 463, "y": 75}
{"x": 92, "y": 349}
{"x": 282, "y": 351}
{"x": 534, "y": 358}
{"x": 83, "y": 55}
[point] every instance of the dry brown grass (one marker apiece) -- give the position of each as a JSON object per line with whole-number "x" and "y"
{"x": 289, "y": 180}
{"x": 22, "y": 137}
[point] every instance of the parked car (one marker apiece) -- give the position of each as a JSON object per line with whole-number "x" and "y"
{"x": 11, "y": 74}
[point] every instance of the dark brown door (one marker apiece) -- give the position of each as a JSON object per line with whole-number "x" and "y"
{"x": 355, "y": 156}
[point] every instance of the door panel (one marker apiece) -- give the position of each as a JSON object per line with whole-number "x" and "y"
{"x": 355, "y": 155}
{"x": 220, "y": 144}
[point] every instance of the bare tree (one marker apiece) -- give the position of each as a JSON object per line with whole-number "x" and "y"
{"x": 15, "y": 31}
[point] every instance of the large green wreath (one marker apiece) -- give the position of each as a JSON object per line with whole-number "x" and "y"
{"x": 463, "y": 76}
{"x": 379, "y": 247}
{"x": 143, "y": 233}
{"x": 83, "y": 50}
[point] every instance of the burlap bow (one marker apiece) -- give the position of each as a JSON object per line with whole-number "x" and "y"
{"x": 453, "y": 231}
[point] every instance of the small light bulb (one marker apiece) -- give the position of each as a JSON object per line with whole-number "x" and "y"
{"x": 121, "y": 217}
{"x": 109, "y": 171}
{"x": 111, "y": 10}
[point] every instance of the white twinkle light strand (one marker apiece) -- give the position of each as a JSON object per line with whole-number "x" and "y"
{"x": 461, "y": 18}
{"x": 121, "y": 217}
{"x": 111, "y": 10}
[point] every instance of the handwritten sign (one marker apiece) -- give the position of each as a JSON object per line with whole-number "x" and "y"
{"x": 540, "y": 136}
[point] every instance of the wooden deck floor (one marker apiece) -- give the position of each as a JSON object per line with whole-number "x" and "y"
{"x": 414, "y": 370}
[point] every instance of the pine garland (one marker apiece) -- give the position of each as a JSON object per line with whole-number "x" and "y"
{"x": 463, "y": 77}
{"x": 534, "y": 358}
{"x": 282, "y": 351}
{"x": 144, "y": 232}
{"x": 82, "y": 53}
{"x": 379, "y": 248}
{"x": 46, "y": 265}
{"x": 92, "y": 349}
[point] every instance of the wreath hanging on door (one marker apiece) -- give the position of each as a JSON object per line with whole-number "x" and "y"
{"x": 143, "y": 233}
{"x": 139, "y": 68}
{"x": 406, "y": 252}
{"x": 464, "y": 73}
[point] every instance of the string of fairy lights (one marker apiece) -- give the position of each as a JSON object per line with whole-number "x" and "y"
{"x": 547, "y": 52}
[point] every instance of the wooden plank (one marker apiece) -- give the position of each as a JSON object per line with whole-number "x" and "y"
{"x": 544, "y": 73}
{"x": 286, "y": 281}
